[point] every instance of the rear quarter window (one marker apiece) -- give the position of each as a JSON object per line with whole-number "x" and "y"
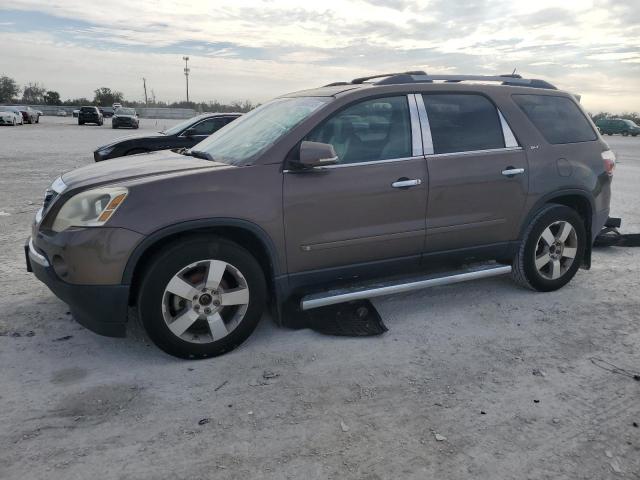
{"x": 558, "y": 118}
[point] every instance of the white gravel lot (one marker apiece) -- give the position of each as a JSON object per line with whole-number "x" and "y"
{"x": 458, "y": 361}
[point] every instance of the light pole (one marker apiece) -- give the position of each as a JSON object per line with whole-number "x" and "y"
{"x": 186, "y": 74}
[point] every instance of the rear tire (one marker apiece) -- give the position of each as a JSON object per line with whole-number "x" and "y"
{"x": 552, "y": 249}
{"x": 221, "y": 295}
{"x": 625, "y": 134}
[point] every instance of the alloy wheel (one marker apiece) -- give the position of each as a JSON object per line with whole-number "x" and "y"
{"x": 205, "y": 301}
{"x": 556, "y": 250}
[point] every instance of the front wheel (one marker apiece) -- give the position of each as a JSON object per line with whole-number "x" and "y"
{"x": 624, "y": 134}
{"x": 551, "y": 250}
{"x": 201, "y": 297}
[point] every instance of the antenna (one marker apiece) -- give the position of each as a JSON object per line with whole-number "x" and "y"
{"x": 514, "y": 71}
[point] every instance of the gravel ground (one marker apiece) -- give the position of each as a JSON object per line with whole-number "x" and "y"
{"x": 481, "y": 380}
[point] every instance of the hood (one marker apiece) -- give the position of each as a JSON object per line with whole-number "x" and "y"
{"x": 133, "y": 167}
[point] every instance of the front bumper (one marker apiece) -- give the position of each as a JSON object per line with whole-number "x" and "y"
{"x": 100, "y": 308}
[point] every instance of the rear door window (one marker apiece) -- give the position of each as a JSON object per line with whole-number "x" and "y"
{"x": 558, "y": 118}
{"x": 463, "y": 123}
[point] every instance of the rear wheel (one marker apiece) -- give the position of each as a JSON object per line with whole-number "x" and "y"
{"x": 552, "y": 249}
{"x": 201, "y": 297}
{"x": 624, "y": 134}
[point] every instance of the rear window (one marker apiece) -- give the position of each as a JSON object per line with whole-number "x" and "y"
{"x": 558, "y": 118}
{"x": 88, "y": 109}
{"x": 463, "y": 123}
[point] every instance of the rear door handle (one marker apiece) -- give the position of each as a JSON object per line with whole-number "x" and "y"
{"x": 510, "y": 171}
{"x": 406, "y": 183}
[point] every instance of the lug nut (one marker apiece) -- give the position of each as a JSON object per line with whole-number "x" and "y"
{"x": 207, "y": 311}
{"x": 216, "y": 303}
{"x": 196, "y": 307}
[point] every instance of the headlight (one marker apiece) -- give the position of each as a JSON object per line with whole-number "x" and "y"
{"x": 92, "y": 208}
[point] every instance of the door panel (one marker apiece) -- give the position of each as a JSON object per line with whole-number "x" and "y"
{"x": 471, "y": 202}
{"x": 352, "y": 214}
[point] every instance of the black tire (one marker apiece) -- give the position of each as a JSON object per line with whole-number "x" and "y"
{"x": 80, "y": 123}
{"x": 624, "y": 134}
{"x": 634, "y": 134}
{"x": 171, "y": 260}
{"x": 524, "y": 270}
{"x": 113, "y": 125}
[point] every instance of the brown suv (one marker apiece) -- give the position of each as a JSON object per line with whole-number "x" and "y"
{"x": 333, "y": 187}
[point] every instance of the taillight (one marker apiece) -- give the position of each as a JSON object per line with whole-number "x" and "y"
{"x": 609, "y": 159}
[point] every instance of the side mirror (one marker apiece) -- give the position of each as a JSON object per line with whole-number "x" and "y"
{"x": 316, "y": 154}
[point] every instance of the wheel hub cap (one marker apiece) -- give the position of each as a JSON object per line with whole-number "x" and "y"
{"x": 556, "y": 250}
{"x": 205, "y": 301}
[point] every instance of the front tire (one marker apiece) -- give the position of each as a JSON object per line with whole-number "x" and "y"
{"x": 552, "y": 249}
{"x": 201, "y": 297}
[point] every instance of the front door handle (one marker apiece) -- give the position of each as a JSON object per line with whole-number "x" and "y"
{"x": 406, "y": 183}
{"x": 511, "y": 171}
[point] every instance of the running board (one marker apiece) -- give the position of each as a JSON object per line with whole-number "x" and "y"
{"x": 331, "y": 297}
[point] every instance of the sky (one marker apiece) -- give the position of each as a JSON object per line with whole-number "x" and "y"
{"x": 257, "y": 49}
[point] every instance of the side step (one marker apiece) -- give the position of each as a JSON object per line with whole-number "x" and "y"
{"x": 331, "y": 297}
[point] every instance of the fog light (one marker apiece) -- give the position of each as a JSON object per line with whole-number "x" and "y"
{"x": 60, "y": 266}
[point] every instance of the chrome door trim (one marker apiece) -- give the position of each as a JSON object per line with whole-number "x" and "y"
{"x": 427, "y": 140}
{"x": 357, "y": 164}
{"x": 509, "y": 138}
{"x": 416, "y": 134}
{"x": 477, "y": 152}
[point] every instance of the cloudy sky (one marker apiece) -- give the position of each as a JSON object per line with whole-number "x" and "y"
{"x": 257, "y": 49}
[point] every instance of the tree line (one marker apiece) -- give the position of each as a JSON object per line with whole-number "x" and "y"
{"x": 35, "y": 93}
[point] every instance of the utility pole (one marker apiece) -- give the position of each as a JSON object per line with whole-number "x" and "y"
{"x": 186, "y": 74}
{"x": 144, "y": 84}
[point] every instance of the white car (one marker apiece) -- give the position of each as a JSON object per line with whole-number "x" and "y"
{"x": 61, "y": 113}
{"x": 10, "y": 116}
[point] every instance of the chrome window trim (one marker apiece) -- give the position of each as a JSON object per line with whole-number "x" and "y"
{"x": 477, "y": 152}
{"x": 356, "y": 164}
{"x": 416, "y": 133}
{"x": 427, "y": 139}
{"x": 509, "y": 138}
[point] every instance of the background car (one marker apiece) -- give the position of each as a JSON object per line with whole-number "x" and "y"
{"x": 90, "y": 115}
{"x": 40, "y": 113}
{"x": 125, "y": 117}
{"x": 183, "y": 135}
{"x": 29, "y": 115}
{"x": 75, "y": 113}
{"x": 611, "y": 126}
{"x": 10, "y": 116}
{"x": 61, "y": 113}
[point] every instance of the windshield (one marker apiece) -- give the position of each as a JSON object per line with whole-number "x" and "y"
{"x": 241, "y": 140}
{"x": 125, "y": 111}
{"x": 631, "y": 123}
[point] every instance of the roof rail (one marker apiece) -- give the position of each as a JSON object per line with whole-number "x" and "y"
{"x": 422, "y": 77}
{"x": 364, "y": 79}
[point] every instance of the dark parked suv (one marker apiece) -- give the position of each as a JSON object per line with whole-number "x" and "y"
{"x": 309, "y": 198}
{"x": 90, "y": 115}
